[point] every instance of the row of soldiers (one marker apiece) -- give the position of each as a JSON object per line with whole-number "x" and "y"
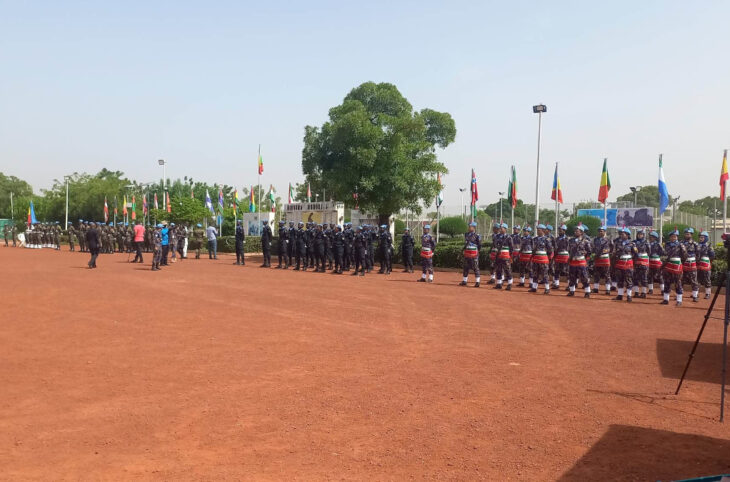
{"x": 10, "y": 233}
{"x": 628, "y": 266}
{"x": 38, "y": 235}
{"x": 323, "y": 247}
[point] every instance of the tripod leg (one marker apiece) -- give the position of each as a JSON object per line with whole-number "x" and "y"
{"x": 704, "y": 324}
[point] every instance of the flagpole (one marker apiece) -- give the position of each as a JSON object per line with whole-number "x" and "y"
{"x": 557, "y": 199}
{"x": 724, "y": 203}
{"x": 258, "y": 211}
{"x": 438, "y": 220}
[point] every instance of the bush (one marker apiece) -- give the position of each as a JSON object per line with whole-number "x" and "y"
{"x": 452, "y": 225}
{"x": 592, "y": 222}
{"x": 669, "y": 227}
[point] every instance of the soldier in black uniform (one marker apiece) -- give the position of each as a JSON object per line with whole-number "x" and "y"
{"x": 301, "y": 247}
{"x": 406, "y": 249}
{"x": 292, "y": 242}
{"x": 266, "y": 236}
{"x": 385, "y": 245}
{"x": 349, "y": 236}
{"x": 328, "y": 232}
{"x": 338, "y": 248}
{"x": 319, "y": 242}
{"x": 283, "y": 246}
{"x": 240, "y": 242}
{"x": 359, "y": 245}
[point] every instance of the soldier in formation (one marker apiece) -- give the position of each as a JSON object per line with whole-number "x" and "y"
{"x": 472, "y": 246}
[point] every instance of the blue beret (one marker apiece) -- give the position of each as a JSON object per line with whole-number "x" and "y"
{"x": 689, "y": 230}
{"x": 541, "y": 226}
{"x": 428, "y": 226}
{"x": 654, "y": 234}
{"x": 705, "y": 234}
{"x": 473, "y": 224}
{"x": 503, "y": 225}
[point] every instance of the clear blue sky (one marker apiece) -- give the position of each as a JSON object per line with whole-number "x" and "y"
{"x": 86, "y": 85}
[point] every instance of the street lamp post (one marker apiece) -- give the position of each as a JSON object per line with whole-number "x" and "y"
{"x": 500, "y": 207}
{"x": 538, "y": 109}
{"x": 463, "y": 207}
{"x": 674, "y": 207}
{"x": 65, "y": 226}
{"x": 163, "y": 163}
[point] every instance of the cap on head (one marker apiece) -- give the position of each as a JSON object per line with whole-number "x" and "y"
{"x": 503, "y": 225}
{"x": 563, "y": 227}
{"x": 497, "y": 225}
{"x": 428, "y": 226}
{"x": 528, "y": 229}
{"x": 689, "y": 230}
{"x": 281, "y": 223}
{"x": 541, "y": 226}
{"x": 473, "y": 224}
{"x": 549, "y": 227}
{"x": 384, "y": 226}
{"x": 602, "y": 228}
{"x": 406, "y": 230}
{"x": 358, "y": 228}
{"x": 517, "y": 227}
{"x": 654, "y": 234}
{"x": 159, "y": 225}
{"x": 675, "y": 233}
{"x": 199, "y": 225}
{"x": 705, "y": 234}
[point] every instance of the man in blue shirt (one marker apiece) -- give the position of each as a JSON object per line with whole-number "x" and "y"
{"x": 212, "y": 234}
{"x": 165, "y": 243}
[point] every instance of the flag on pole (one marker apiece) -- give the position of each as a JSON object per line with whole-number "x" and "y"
{"x": 251, "y": 202}
{"x": 605, "y": 184}
{"x": 220, "y": 200}
{"x": 157, "y": 206}
{"x": 557, "y": 194}
{"x": 124, "y": 205}
{"x": 309, "y": 194}
{"x": 167, "y": 202}
{"x": 106, "y": 211}
{"x": 145, "y": 208}
{"x": 115, "y": 207}
{"x": 440, "y": 195}
{"x": 272, "y": 200}
{"x": 663, "y": 191}
{"x": 31, "y": 214}
{"x": 723, "y": 176}
{"x": 134, "y": 208}
{"x": 356, "y": 197}
{"x": 474, "y": 194}
{"x": 261, "y": 163}
{"x": 291, "y": 194}
{"x": 236, "y": 201}
{"x": 512, "y": 188}
{"x": 208, "y": 202}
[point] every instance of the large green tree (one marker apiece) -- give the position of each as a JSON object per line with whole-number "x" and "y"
{"x": 21, "y": 191}
{"x": 376, "y": 145}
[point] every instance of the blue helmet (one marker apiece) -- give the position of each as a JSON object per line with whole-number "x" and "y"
{"x": 517, "y": 227}
{"x": 159, "y": 225}
{"x": 428, "y": 226}
{"x": 654, "y": 234}
{"x": 473, "y": 224}
{"x": 199, "y": 225}
{"x": 549, "y": 227}
{"x": 384, "y": 226}
{"x": 528, "y": 229}
{"x": 339, "y": 226}
{"x": 689, "y": 230}
{"x": 602, "y": 227}
{"x": 581, "y": 227}
{"x": 705, "y": 234}
{"x": 497, "y": 225}
{"x": 503, "y": 225}
{"x": 675, "y": 232}
{"x": 563, "y": 227}
{"x": 541, "y": 226}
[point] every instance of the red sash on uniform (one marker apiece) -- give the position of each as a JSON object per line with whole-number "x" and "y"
{"x": 562, "y": 257}
{"x": 704, "y": 264}
{"x": 493, "y": 254}
{"x": 471, "y": 253}
{"x": 655, "y": 262}
{"x": 504, "y": 253}
{"x": 426, "y": 253}
{"x": 642, "y": 260}
{"x": 673, "y": 265}
{"x": 540, "y": 257}
{"x": 602, "y": 261}
{"x": 624, "y": 264}
{"x": 526, "y": 257}
{"x": 690, "y": 264}
{"x": 579, "y": 261}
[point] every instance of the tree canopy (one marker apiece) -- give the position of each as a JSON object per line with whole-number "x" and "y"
{"x": 375, "y": 145}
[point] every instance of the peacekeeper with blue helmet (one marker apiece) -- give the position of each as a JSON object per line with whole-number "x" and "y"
{"x": 472, "y": 246}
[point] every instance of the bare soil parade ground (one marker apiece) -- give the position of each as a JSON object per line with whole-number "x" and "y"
{"x": 206, "y": 370}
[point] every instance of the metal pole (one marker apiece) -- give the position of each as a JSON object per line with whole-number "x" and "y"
{"x": 724, "y": 205}
{"x": 258, "y": 211}
{"x": 537, "y": 178}
{"x": 12, "y": 207}
{"x": 513, "y": 216}
{"x": 66, "y": 225}
{"x": 500, "y": 208}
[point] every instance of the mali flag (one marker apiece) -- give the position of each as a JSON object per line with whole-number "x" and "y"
{"x": 261, "y": 163}
{"x": 134, "y": 208}
{"x": 605, "y": 184}
{"x": 124, "y": 205}
{"x": 251, "y": 202}
{"x": 723, "y": 176}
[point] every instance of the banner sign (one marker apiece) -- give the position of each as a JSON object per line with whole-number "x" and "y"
{"x": 629, "y": 217}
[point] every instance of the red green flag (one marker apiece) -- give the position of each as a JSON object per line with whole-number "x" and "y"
{"x": 605, "y": 184}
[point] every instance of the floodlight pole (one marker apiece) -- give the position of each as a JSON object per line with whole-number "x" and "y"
{"x": 538, "y": 109}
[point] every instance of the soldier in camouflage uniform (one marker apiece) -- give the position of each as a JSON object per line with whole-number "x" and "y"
{"x": 504, "y": 247}
{"x": 542, "y": 249}
{"x": 602, "y": 249}
{"x": 690, "y": 264}
{"x": 676, "y": 255}
{"x": 641, "y": 264}
{"x": 472, "y": 246}
{"x": 71, "y": 237}
{"x": 157, "y": 254}
{"x": 6, "y": 234}
{"x": 705, "y": 256}
{"x": 579, "y": 250}
{"x": 624, "y": 253}
{"x": 562, "y": 255}
{"x": 525, "y": 268}
{"x": 493, "y": 255}
{"x": 656, "y": 251}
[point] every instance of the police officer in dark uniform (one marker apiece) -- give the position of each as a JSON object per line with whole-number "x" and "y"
{"x": 240, "y": 242}
{"x": 328, "y": 232}
{"x": 579, "y": 251}
{"x": 319, "y": 241}
{"x": 359, "y": 245}
{"x": 301, "y": 247}
{"x": 406, "y": 249}
{"x": 385, "y": 245}
{"x": 283, "y": 246}
{"x": 292, "y": 243}
{"x": 338, "y": 248}
{"x": 266, "y": 236}
{"x": 349, "y": 236}
{"x": 472, "y": 246}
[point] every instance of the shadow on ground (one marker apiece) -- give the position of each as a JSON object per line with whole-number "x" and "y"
{"x": 706, "y": 366}
{"x": 635, "y": 453}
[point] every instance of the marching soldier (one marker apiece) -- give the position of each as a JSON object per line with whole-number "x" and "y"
{"x": 516, "y": 248}
{"x": 349, "y": 236}
{"x": 541, "y": 251}
{"x": 493, "y": 254}
{"x": 656, "y": 251}
{"x": 385, "y": 245}
{"x": 705, "y": 256}
{"x": 338, "y": 247}
{"x": 157, "y": 253}
{"x": 579, "y": 250}
{"x": 641, "y": 264}
{"x": 690, "y": 264}
{"x": 526, "y": 256}
{"x": 472, "y": 246}
{"x": 624, "y": 253}
{"x": 676, "y": 255}
{"x": 504, "y": 258}
{"x": 359, "y": 245}
{"x": 319, "y": 259}
{"x": 562, "y": 255}
{"x": 301, "y": 247}
{"x": 428, "y": 246}
{"x": 283, "y": 246}
{"x": 240, "y": 243}
{"x": 292, "y": 243}
{"x": 406, "y": 248}
{"x": 266, "y": 236}
{"x": 602, "y": 249}
{"x": 71, "y": 237}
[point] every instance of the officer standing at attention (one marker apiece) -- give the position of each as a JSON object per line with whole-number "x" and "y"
{"x": 301, "y": 247}
{"x": 493, "y": 254}
{"x": 385, "y": 245}
{"x": 602, "y": 248}
{"x": 283, "y": 246}
{"x": 428, "y": 247}
{"x": 6, "y": 234}
{"x": 71, "y": 237}
{"x": 690, "y": 264}
{"x": 266, "y": 236}
{"x": 338, "y": 247}
{"x": 705, "y": 255}
{"x": 291, "y": 243}
{"x": 579, "y": 250}
{"x": 541, "y": 250}
{"x": 406, "y": 249}
{"x": 504, "y": 258}
{"x": 516, "y": 247}
{"x": 472, "y": 246}
{"x": 328, "y": 233}
{"x": 240, "y": 241}
{"x": 676, "y": 255}
{"x": 157, "y": 243}
{"x": 319, "y": 259}
{"x": 624, "y": 253}
{"x": 359, "y": 244}
{"x": 562, "y": 255}
{"x": 349, "y": 236}
{"x": 656, "y": 251}
{"x": 641, "y": 264}
{"x": 526, "y": 256}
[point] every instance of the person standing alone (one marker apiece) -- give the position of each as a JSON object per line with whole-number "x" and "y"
{"x": 92, "y": 243}
{"x": 138, "y": 240}
{"x": 212, "y": 234}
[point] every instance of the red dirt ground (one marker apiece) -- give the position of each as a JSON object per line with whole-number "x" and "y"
{"x": 207, "y": 370}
